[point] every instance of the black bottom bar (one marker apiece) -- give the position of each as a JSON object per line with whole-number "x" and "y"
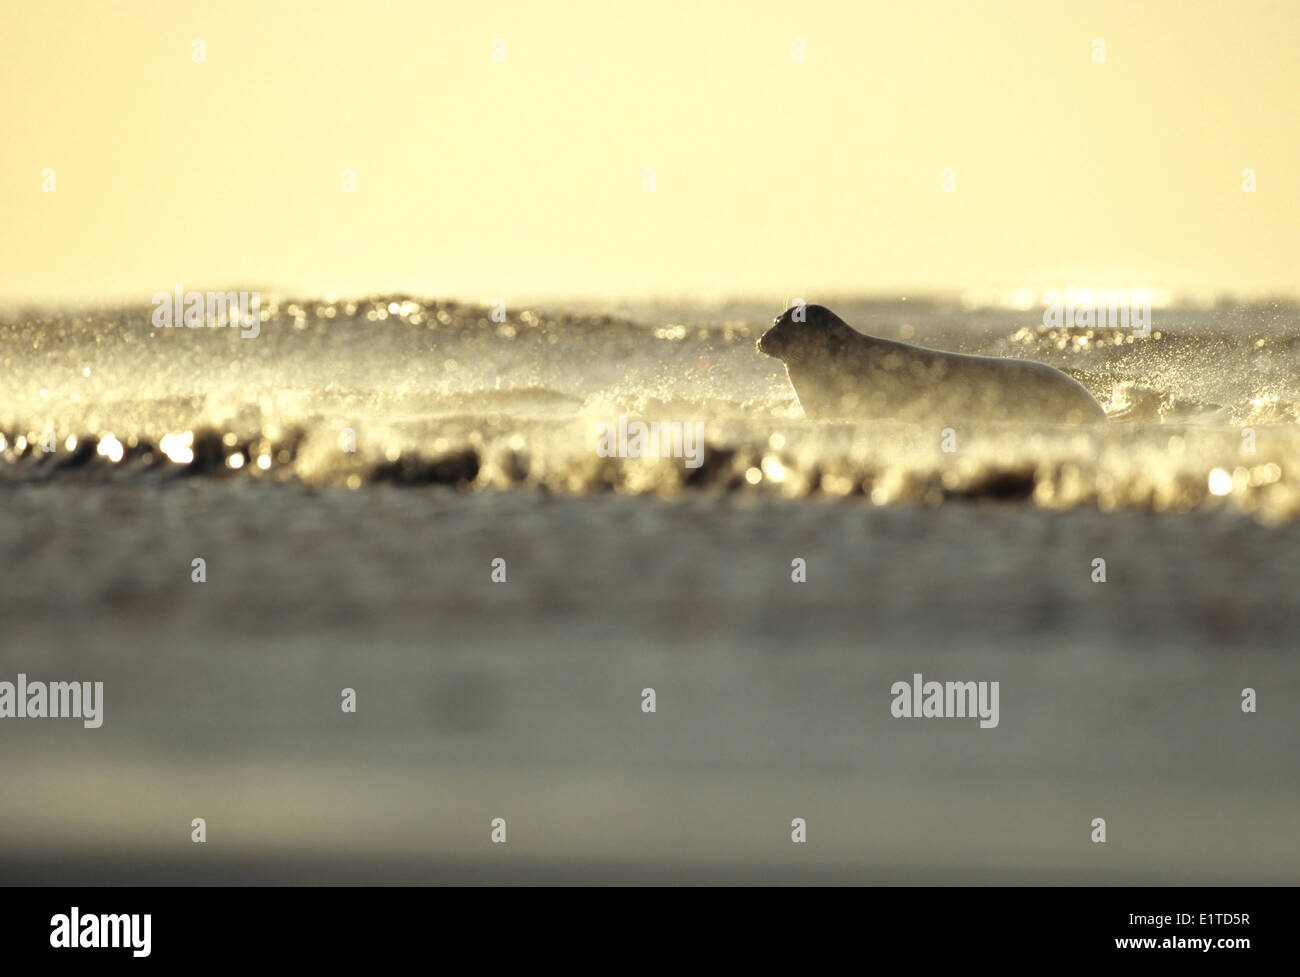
{"x": 331, "y": 925}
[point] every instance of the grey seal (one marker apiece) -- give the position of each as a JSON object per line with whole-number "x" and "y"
{"x": 838, "y": 372}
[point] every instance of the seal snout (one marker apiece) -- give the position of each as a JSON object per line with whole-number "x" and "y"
{"x": 771, "y": 343}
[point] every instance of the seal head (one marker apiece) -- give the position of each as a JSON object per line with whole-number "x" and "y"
{"x": 806, "y": 332}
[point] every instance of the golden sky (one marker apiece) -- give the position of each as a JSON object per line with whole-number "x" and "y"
{"x": 524, "y": 178}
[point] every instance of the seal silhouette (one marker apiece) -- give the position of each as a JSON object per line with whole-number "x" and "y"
{"x": 838, "y": 372}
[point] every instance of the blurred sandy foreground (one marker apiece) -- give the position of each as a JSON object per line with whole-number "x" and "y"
{"x": 522, "y": 700}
